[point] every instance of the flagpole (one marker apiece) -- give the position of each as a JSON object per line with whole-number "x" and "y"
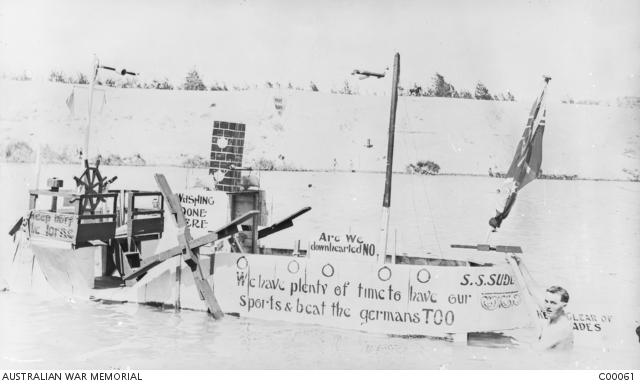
{"x": 87, "y": 133}
{"x": 386, "y": 201}
{"x": 383, "y": 239}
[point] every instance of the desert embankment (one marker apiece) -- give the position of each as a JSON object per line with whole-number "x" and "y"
{"x": 313, "y": 130}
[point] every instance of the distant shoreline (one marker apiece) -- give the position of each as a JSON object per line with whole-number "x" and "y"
{"x": 455, "y": 174}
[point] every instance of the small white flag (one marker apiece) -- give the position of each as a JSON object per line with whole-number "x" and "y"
{"x": 70, "y": 103}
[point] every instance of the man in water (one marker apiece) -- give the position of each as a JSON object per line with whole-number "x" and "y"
{"x": 556, "y": 331}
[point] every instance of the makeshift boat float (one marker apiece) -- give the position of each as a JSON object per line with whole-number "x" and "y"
{"x": 102, "y": 244}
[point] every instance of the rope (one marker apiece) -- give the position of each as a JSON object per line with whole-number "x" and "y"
{"x": 413, "y": 201}
{"x": 489, "y": 232}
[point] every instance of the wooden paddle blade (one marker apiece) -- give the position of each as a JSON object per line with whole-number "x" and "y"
{"x": 232, "y": 227}
{"x": 285, "y": 223}
{"x": 152, "y": 261}
{"x": 487, "y": 248}
{"x": 191, "y": 257}
{"x": 16, "y": 227}
{"x": 172, "y": 200}
{"x": 264, "y": 232}
{"x": 508, "y": 249}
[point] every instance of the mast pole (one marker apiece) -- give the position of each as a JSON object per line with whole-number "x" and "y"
{"x": 38, "y": 145}
{"x": 386, "y": 201}
{"x": 87, "y": 133}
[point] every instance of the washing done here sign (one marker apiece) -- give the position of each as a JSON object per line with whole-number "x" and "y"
{"x": 205, "y": 211}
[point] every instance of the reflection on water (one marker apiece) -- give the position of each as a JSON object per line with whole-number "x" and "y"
{"x": 582, "y": 234}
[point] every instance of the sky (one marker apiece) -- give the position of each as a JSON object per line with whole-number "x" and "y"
{"x": 590, "y": 48}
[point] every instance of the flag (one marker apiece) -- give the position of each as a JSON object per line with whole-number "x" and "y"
{"x": 527, "y": 160}
{"x": 70, "y": 100}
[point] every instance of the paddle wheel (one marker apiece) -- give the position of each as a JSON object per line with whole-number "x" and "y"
{"x": 93, "y": 185}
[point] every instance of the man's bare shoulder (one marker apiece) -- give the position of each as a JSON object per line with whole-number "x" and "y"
{"x": 558, "y": 335}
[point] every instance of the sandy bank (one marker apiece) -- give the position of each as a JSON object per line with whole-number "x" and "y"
{"x": 318, "y": 131}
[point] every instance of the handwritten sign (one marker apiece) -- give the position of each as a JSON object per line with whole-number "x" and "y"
{"x": 396, "y": 299}
{"x": 52, "y": 225}
{"x": 341, "y": 244}
{"x": 589, "y": 322}
{"x": 204, "y": 210}
{"x": 278, "y": 103}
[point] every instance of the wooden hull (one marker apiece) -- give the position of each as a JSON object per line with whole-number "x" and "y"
{"x": 420, "y": 300}
{"x": 359, "y": 295}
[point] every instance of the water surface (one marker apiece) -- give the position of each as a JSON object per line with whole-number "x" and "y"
{"x": 584, "y": 235}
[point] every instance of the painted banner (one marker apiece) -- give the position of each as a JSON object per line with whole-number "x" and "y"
{"x": 52, "y": 225}
{"x": 400, "y": 299}
{"x": 589, "y": 322}
{"x": 204, "y": 210}
{"x": 393, "y": 299}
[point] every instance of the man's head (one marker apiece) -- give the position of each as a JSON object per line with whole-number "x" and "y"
{"x": 555, "y": 299}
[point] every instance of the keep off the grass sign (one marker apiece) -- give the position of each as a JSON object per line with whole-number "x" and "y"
{"x": 58, "y": 226}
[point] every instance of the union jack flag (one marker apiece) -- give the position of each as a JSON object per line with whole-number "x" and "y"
{"x": 527, "y": 160}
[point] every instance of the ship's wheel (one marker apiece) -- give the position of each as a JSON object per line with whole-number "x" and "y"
{"x": 92, "y": 184}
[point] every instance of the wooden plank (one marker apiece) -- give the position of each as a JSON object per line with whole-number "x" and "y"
{"x": 53, "y": 193}
{"x": 141, "y": 194}
{"x": 508, "y": 249}
{"x": 154, "y": 260}
{"x": 96, "y": 231}
{"x": 242, "y": 202}
{"x": 172, "y": 200}
{"x": 235, "y": 245}
{"x": 144, "y": 211}
{"x": 232, "y": 227}
{"x": 487, "y": 248}
{"x": 255, "y": 222}
{"x": 130, "y": 242}
{"x": 287, "y": 222}
{"x": 190, "y": 255}
{"x": 102, "y": 216}
{"x": 147, "y": 226}
{"x": 16, "y": 227}
{"x": 32, "y": 201}
{"x": 146, "y": 266}
{"x": 176, "y": 289}
{"x": 204, "y": 288}
{"x": 274, "y": 228}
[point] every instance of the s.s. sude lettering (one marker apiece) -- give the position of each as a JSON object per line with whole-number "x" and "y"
{"x": 497, "y": 279}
